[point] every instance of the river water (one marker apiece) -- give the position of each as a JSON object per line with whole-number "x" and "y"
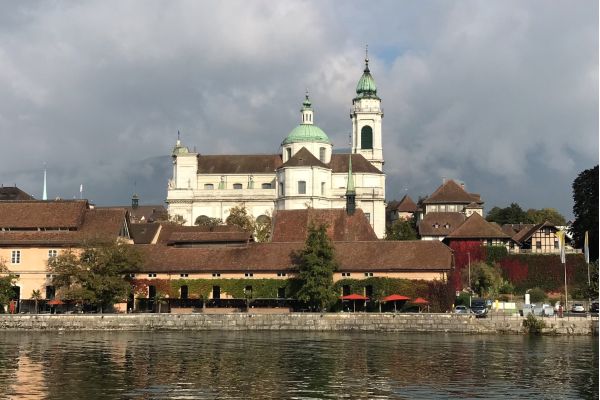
{"x": 294, "y": 365}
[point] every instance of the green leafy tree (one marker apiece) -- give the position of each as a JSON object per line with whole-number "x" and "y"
{"x": 401, "y": 229}
{"x": 262, "y": 229}
{"x": 585, "y": 209}
{"x": 485, "y": 279}
{"x": 512, "y": 214}
{"x": 546, "y": 214}
{"x": 7, "y": 282}
{"x": 203, "y": 220}
{"x": 97, "y": 274}
{"x": 592, "y": 288}
{"x": 316, "y": 265}
{"x": 239, "y": 216}
{"x": 177, "y": 219}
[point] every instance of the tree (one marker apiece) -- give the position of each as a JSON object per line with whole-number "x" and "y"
{"x": 36, "y": 295}
{"x": 485, "y": 279}
{"x": 239, "y": 216}
{"x": 401, "y": 229}
{"x": 204, "y": 220}
{"x": 585, "y": 209}
{"x": 177, "y": 219}
{"x": 592, "y": 288}
{"x": 7, "y": 282}
{"x": 546, "y": 214}
{"x": 262, "y": 229}
{"x": 512, "y": 214}
{"x": 96, "y": 274}
{"x": 316, "y": 265}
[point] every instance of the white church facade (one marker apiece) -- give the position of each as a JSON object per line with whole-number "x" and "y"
{"x": 305, "y": 174}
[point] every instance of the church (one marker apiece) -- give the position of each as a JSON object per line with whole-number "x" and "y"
{"x": 306, "y": 173}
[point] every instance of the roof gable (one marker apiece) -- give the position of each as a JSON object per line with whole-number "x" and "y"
{"x": 303, "y": 158}
{"x": 476, "y": 227}
{"x": 340, "y": 163}
{"x": 13, "y": 193}
{"x": 406, "y": 205}
{"x": 451, "y": 192}
{"x": 292, "y": 225}
{"x": 440, "y": 223}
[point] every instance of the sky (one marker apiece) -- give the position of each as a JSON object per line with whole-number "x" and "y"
{"x": 501, "y": 95}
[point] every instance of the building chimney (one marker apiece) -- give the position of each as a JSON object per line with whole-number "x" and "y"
{"x": 462, "y": 185}
{"x": 443, "y": 180}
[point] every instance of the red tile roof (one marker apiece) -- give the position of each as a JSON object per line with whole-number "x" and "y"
{"x": 103, "y": 224}
{"x": 13, "y": 193}
{"x": 239, "y": 164}
{"x": 373, "y": 256}
{"x": 167, "y": 230}
{"x": 33, "y": 214}
{"x": 440, "y": 223}
{"x": 339, "y": 164}
{"x": 292, "y": 225}
{"x": 144, "y": 233}
{"x": 452, "y": 192}
{"x": 303, "y": 158}
{"x": 476, "y": 227}
{"x": 406, "y": 205}
{"x": 209, "y": 237}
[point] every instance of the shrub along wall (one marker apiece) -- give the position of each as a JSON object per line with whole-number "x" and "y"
{"x": 524, "y": 271}
{"x": 438, "y": 293}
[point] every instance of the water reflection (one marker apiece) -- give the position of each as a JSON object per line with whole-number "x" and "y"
{"x": 218, "y": 365}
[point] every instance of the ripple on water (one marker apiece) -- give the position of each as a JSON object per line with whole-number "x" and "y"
{"x": 295, "y": 365}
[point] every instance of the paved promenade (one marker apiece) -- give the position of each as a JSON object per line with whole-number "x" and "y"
{"x": 385, "y": 322}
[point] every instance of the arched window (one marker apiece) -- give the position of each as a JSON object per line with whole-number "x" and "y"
{"x": 322, "y": 154}
{"x": 366, "y": 137}
{"x": 301, "y": 187}
{"x": 209, "y": 186}
{"x": 237, "y": 185}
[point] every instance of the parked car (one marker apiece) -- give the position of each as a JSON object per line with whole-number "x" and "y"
{"x": 461, "y": 310}
{"x": 577, "y": 308}
{"x": 594, "y": 306}
{"x": 479, "y": 308}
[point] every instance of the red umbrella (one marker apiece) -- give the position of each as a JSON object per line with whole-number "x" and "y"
{"x": 55, "y": 302}
{"x": 354, "y": 297}
{"x": 395, "y": 298}
{"x": 421, "y": 301}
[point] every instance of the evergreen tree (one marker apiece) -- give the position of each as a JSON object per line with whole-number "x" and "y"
{"x": 585, "y": 209}
{"x": 316, "y": 265}
{"x": 512, "y": 214}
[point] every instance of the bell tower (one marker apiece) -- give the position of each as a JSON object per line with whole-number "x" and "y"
{"x": 366, "y": 115}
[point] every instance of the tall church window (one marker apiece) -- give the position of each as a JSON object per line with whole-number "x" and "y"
{"x": 237, "y": 186}
{"x": 322, "y": 188}
{"x": 322, "y": 154}
{"x": 301, "y": 187}
{"x": 288, "y": 152}
{"x": 366, "y": 137}
{"x": 281, "y": 189}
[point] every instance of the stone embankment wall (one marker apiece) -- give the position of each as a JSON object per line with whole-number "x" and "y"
{"x": 446, "y": 323}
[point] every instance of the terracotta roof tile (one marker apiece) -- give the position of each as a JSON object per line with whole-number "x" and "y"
{"x": 303, "y": 158}
{"x": 209, "y": 237}
{"x": 144, "y": 233}
{"x": 406, "y": 205}
{"x": 33, "y": 214}
{"x": 238, "y": 164}
{"x": 440, "y": 223}
{"x": 339, "y": 163}
{"x": 351, "y": 256}
{"x": 476, "y": 227}
{"x": 168, "y": 229}
{"x": 13, "y": 193}
{"x": 292, "y": 225}
{"x": 96, "y": 225}
{"x": 451, "y": 192}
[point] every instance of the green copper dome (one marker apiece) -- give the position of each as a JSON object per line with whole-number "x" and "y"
{"x": 306, "y": 133}
{"x": 366, "y": 84}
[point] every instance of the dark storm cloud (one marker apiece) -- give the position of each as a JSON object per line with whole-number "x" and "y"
{"x": 500, "y": 94}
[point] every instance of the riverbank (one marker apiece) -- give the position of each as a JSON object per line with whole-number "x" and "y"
{"x": 385, "y": 322}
